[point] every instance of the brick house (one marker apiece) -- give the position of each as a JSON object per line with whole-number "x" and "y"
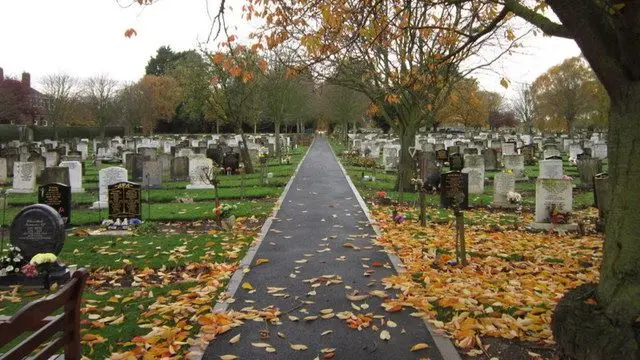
{"x": 38, "y": 113}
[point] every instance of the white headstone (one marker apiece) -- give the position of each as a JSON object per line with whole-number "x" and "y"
{"x": 574, "y": 151}
{"x": 24, "y": 177}
{"x": 550, "y": 194}
{"x": 551, "y": 152}
{"x": 51, "y": 158}
{"x": 3, "y": 170}
{"x": 108, "y": 176}
{"x": 515, "y": 163}
{"x": 550, "y": 169}
{"x": 200, "y": 170}
{"x": 502, "y": 184}
{"x": 84, "y": 149}
{"x": 474, "y": 166}
{"x": 75, "y": 175}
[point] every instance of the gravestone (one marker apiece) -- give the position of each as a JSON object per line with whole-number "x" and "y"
{"x": 470, "y": 151}
{"x": 24, "y": 178}
{"x": 200, "y": 171}
{"x": 75, "y": 175}
{"x": 515, "y": 163}
{"x": 442, "y": 155}
{"x": 58, "y": 196}
{"x": 3, "y": 170}
{"x": 490, "y": 159}
{"x": 165, "y": 162}
{"x": 39, "y": 162}
{"x": 456, "y": 162}
{"x": 148, "y": 152}
{"x": 503, "y": 183}
{"x": 430, "y": 170}
{"x": 508, "y": 148}
{"x": 551, "y": 152}
{"x": 550, "y": 169}
{"x": 54, "y": 174}
{"x": 180, "y": 168}
{"x": 554, "y": 194}
{"x": 529, "y": 153}
{"x": 124, "y": 200}
{"x": 38, "y": 229}
{"x": 600, "y": 150}
{"x": 600, "y": 191}
{"x": 453, "y": 149}
{"x": 474, "y": 167}
{"x": 11, "y": 160}
{"x": 454, "y": 188}
{"x": 152, "y": 173}
{"x": 52, "y": 158}
{"x": 108, "y": 176}
{"x": 574, "y": 151}
{"x": 83, "y": 148}
{"x": 587, "y": 170}
{"x": 134, "y": 166}
{"x": 232, "y": 161}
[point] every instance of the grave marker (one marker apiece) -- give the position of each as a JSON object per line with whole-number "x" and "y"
{"x": 58, "y": 196}
{"x": 124, "y": 200}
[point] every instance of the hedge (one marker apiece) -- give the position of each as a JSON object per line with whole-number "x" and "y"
{"x": 11, "y": 132}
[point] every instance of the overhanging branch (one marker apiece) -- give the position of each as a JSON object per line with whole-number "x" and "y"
{"x": 542, "y": 22}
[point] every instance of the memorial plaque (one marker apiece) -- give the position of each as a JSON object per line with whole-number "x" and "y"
{"x": 454, "y": 190}
{"x": 124, "y": 200}
{"x": 456, "y": 162}
{"x": 58, "y": 196}
{"x": 38, "y": 229}
{"x": 442, "y": 155}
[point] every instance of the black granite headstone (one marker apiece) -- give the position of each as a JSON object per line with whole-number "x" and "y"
{"x": 124, "y": 200}
{"x": 38, "y": 229}
{"x": 58, "y": 196}
{"x": 454, "y": 190}
{"x": 442, "y": 155}
{"x": 456, "y": 162}
{"x": 232, "y": 161}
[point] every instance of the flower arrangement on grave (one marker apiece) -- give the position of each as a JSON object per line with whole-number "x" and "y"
{"x": 11, "y": 262}
{"x": 398, "y": 217}
{"x": 508, "y": 171}
{"x": 566, "y": 177}
{"x": 557, "y": 216}
{"x": 44, "y": 262}
{"x": 121, "y": 224}
{"x": 223, "y": 211}
{"x": 514, "y": 197}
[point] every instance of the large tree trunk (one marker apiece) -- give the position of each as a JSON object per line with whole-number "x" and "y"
{"x": 619, "y": 288}
{"x": 406, "y": 165}
{"x": 244, "y": 153}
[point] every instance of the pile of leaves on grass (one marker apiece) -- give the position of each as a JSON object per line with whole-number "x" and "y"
{"x": 510, "y": 287}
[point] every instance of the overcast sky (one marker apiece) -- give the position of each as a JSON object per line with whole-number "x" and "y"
{"x": 86, "y": 37}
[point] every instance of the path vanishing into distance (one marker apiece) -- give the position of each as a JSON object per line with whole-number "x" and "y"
{"x": 320, "y": 213}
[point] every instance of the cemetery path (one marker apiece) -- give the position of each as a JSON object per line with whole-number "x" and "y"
{"x": 319, "y": 214}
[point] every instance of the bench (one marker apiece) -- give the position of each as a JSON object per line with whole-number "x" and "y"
{"x": 36, "y": 317}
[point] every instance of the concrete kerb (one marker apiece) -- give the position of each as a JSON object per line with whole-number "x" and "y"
{"x": 236, "y": 278}
{"x": 443, "y": 343}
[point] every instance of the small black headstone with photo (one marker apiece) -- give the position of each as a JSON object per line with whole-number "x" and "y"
{"x": 124, "y": 200}
{"x": 456, "y": 162}
{"x": 454, "y": 190}
{"x": 58, "y": 196}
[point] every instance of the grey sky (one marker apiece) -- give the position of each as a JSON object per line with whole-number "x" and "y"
{"x": 86, "y": 37}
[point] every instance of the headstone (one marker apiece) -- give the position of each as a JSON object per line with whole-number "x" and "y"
{"x": 55, "y": 174}
{"x": 231, "y": 161}
{"x": 390, "y": 157}
{"x": 515, "y": 163}
{"x": 454, "y": 149}
{"x": 134, "y": 166}
{"x": 83, "y": 148}
{"x": 39, "y": 162}
{"x": 554, "y": 204}
{"x": 3, "y": 170}
{"x": 38, "y": 229}
{"x": 200, "y": 171}
{"x": 124, "y": 200}
{"x": 474, "y": 167}
{"x": 58, "y": 196}
{"x": 24, "y": 178}
{"x": 430, "y": 169}
{"x": 503, "y": 183}
{"x": 600, "y": 191}
{"x": 52, "y": 158}
{"x": 454, "y": 190}
{"x": 490, "y": 159}
{"x": 165, "y": 162}
{"x": 508, "y": 148}
{"x": 587, "y": 170}
{"x": 456, "y": 162}
{"x": 470, "y": 151}
{"x": 11, "y": 160}
{"x": 148, "y": 153}
{"x": 108, "y": 176}
{"x": 180, "y": 168}
{"x": 600, "y": 150}
{"x": 550, "y": 169}
{"x": 551, "y": 152}
{"x": 442, "y": 155}
{"x": 574, "y": 151}
{"x": 529, "y": 153}
{"x": 152, "y": 173}
{"x": 75, "y": 175}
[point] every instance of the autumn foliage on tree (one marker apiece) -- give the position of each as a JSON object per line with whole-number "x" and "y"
{"x": 160, "y": 96}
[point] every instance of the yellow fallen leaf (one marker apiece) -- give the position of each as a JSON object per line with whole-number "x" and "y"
{"x": 234, "y": 339}
{"x": 299, "y": 347}
{"x": 228, "y": 357}
{"x": 261, "y": 345}
{"x": 261, "y": 261}
{"x": 419, "y": 346}
{"x": 391, "y": 324}
{"x": 270, "y": 349}
{"x": 384, "y": 335}
{"x": 247, "y": 286}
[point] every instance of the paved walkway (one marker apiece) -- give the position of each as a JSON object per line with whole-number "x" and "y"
{"x": 318, "y": 216}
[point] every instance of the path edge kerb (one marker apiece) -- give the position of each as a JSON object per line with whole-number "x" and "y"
{"x": 443, "y": 343}
{"x": 245, "y": 263}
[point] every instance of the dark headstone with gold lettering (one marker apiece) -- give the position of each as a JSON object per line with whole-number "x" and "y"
{"x": 442, "y": 155}
{"x": 58, "y": 196}
{"x": 124, "y": 200}
{"x": 456, "y": 162}
{"x": 454, "y": 190}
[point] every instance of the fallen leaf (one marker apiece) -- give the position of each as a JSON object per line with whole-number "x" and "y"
{"x": 299, "y": 347}
{"x": 419, "y": 346}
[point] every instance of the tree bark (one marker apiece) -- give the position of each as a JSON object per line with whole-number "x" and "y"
{"x": 406, "y": 165}
{"x": 244, "y": 153}
{"x": 619, "y": 288}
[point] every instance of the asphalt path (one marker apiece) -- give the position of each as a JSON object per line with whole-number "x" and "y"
{"x": 318, "y": 216}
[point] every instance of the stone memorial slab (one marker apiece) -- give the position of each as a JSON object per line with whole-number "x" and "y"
{"x": 52, "y": 158}
{"x": 551, "y": 152}
{"x": 124, "y": 200}
{"x": 180, "y": 169}
{"x": 442, "y": 155}
{"x": 75, "y": 175}
{"x": 503, "y": 183}
{"x": 134, "y": 166}
{"x": 3, "y": 171}
{"x": 430, "y": 169}
{"x": 54, "y": 174}
{"x": 24, "y": 178}
{"x": 58, "y": 196}
{"x": 108, "y": 176}
{"x": 515, "y": 163}
{"x": 587, "y": 170}
{"x": 152, "y": 173}
{"x": 454, "y": 186}
{"x": 550, "y": 169}
{"x": 554, "y": 204}
{"x": 38, "y": 229}
{"x": 490, "y": 159}
{"x": 39, "y": 162}
{"x": 200, "y": 171}
{"x": 456, "y": 162}
{"x": 474, "y": 167}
